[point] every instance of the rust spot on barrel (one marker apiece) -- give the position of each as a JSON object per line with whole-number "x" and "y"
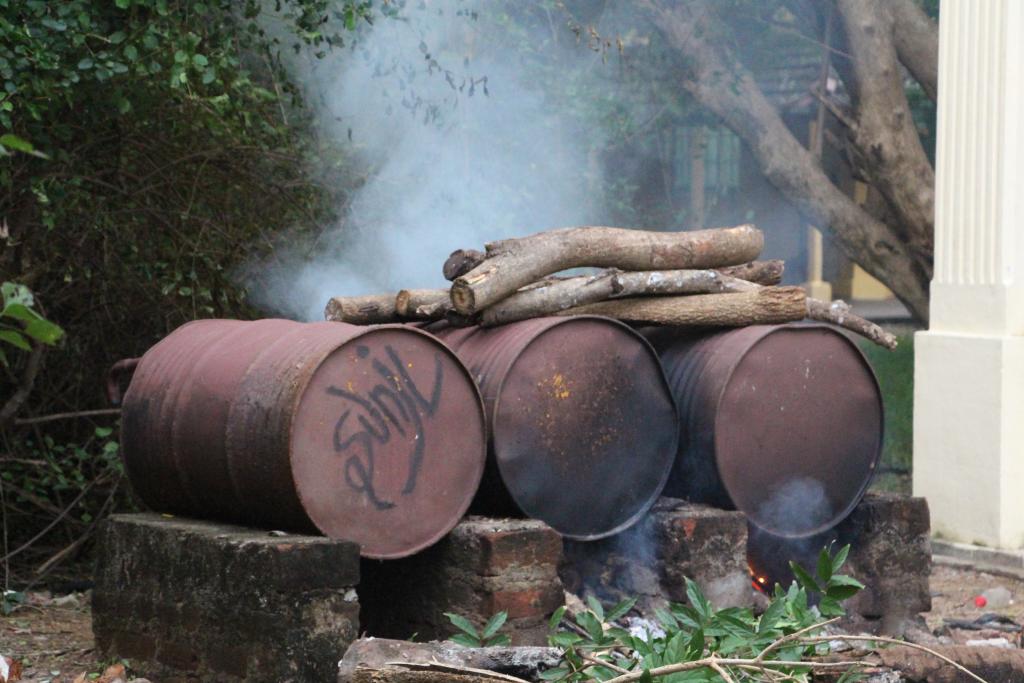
{"x": 583, "y": 428}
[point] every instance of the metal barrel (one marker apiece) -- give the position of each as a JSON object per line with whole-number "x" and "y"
{"x": 783, "y": 422}
{"x": 374, "y": 435}
{"x": 581, "y": 421}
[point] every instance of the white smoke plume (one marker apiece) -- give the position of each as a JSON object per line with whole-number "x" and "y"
{"x": 464, "y": 147}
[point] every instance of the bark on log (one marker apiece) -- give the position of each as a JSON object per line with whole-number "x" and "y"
{"x": 362, "y": 310}
{"x": 548, "y": 298}
{"x": 422, "y": 304}
{"x": 766, "y": 305}
{"x": 761, "y": 272}
{"x": 461, "y": 261}
{"x": 513, "y": 263}
{"x": 662, "y": 282}
{"x": 838, "y": 313}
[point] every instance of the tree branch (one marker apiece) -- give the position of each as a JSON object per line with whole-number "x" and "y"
{"x": 28, "y": 380}
{"x": 724, "y": 87}
{"x": 917, "y": 43}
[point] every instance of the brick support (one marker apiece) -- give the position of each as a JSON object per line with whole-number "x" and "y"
{"x": 196, "y": 601}
{"x": 483, "y": 566}
{"x": 651, "y": 560}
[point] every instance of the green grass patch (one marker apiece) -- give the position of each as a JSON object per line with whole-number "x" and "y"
{"x": 895, "y": 371}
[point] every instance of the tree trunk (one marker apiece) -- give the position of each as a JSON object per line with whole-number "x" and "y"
{"x": 362, "y": 310}
{"x": 513, "y": 263}
{"x": 768, "y": 305}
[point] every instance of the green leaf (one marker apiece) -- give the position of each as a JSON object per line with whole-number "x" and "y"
{"x": 44, "y": 331}
{"x": 590, "y": 624}
{"x": 20, "y": 312}
{"x": 209, "y": 76}
{"x": 199, "y": 60}
{"x": 465, "y": 640}
{"x": 85, "y": 64}
{"x": 554, "y": 674}
{"x": 462, "y": 623}
{"x": 556, "y": 618}
{"x": 493, "y": 624}
{"x": 805, "y": 580}
{"x": 117, "y": 37}
{"x": 14, "y": 142}
{"x": 697, "y": 601}
{"x": 500, "y": 640}
{"x": 123, "y": 4}
{"x": 564, "y": 639}
{"x": 771, "y": 617}
{"x": 824, "y": 566}
{"x": 131, "y": 53}
{"x": 620, "y": 610}
{"x": 840, "y": 558}
{"x": 596, "y": 607}
{"x": 15, "y": 339}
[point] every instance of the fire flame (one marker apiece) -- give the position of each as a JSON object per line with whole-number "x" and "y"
{"x": 759, "y": 582}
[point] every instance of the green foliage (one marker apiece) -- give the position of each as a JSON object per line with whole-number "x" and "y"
{"x": 488, "y": 636}
{"x": 10, "y": 601}
{"x": 697, "y": 630}
{"x": 150, "y": 149}
{"x": 20, "y": 323}
{"x": 895, "y": 372}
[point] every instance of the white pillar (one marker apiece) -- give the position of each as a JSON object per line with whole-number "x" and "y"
{"x": 969, "y": 374}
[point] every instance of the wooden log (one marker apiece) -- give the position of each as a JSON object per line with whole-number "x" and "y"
{"x": 414, "y": 304}
{"x": 838, "y": 313}
{"x": 513, "y": 263}
{"x": 461, "y": 261}
{"x": 767, "y": 305}
{"x": 761, "y": 272}
{"x": 362, "y": 310}
{"x": 548, "y": 297}
{"x": 661, "y": 282}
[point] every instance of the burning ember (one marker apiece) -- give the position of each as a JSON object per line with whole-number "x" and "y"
{"x": 758, "y": 581}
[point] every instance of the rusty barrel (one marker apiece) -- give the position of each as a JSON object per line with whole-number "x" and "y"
{"x": 374, "y": 435}
{"x": 783, "y": 422}
{"x": 581, "y": 421}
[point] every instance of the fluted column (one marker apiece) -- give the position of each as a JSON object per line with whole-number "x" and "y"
{"x": 969, "y": 376}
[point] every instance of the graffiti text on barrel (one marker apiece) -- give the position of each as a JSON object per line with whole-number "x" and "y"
{"x": 394, "y": 405}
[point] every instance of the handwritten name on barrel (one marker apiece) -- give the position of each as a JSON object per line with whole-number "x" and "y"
{"x": 395, "y": 401}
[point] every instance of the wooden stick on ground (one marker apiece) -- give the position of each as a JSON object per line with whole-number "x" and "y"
{"x": 761, "y": 272}
{"x": 362, "y": 310}
{"x": 761, "y": 306}
{"x": 511, "y": 264}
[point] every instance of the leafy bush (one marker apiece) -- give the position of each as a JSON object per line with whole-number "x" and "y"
{"x": 698, "y": 643}
{"x": 488, "y": 636}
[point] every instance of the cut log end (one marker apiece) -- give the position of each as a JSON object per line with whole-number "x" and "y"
{"x": 463, "y": 297}
{"x": 461, "y": 261}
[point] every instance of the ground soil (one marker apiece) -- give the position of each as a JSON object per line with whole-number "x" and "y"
{"x": 54, "y": 642}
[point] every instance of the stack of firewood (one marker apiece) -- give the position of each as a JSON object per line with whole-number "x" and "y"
{"x": 703, "y": 278}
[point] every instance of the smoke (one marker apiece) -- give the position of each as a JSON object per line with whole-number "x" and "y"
{"x": 463, "y": 143}
{"x": 798, "y": 506}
